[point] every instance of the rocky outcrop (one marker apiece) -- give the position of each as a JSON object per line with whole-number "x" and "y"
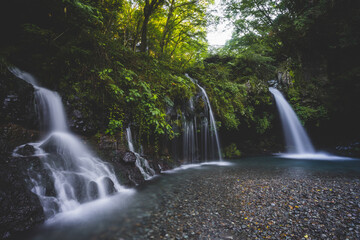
{"x": 115, "y": 151}
{"x": 17, "y": 102}
{"x": 12, "y": 135}
{"x": 129, "y": 157}
{"x": 121, "y": 159}
{"x": 84, "y": 117}
{"x": 20, "y": 208}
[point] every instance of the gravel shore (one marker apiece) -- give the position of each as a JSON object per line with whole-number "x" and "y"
{"x": 266, "y": 199}
{"x": 248, "y": 203}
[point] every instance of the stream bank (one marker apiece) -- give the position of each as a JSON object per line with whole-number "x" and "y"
{"x": 254, "y": 198}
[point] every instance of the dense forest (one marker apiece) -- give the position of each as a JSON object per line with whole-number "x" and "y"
{"x": 120, "y": 62}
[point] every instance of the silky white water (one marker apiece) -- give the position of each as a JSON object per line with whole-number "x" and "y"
{"x": 210, "y": 138}
{"x": 297, "y": 141}
{"x": 190, "y": 140}
{"x": 77, "y": 176}
{"x": 141, "y": 163}
{"x": 212, "y": 122}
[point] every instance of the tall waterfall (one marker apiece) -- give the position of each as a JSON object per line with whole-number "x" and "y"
{"x": 212, "y": 123}
{"x": 297, "y": 141}
{"x": 77, "y": 176}
{"x": 210, "y": 143}
{"x": 141, "y": 163}
{"x": 190, "y": 140}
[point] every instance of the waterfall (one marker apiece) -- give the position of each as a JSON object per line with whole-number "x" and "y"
{"x": 76, "y": 175}
{"x": 297, "y": 141}
{"x": 141, "y": 163}
{"x": 212, "y": 123}
{"x": 210, "y": 137}
{"x": 190, "y": 141}
{"x": 129, "y": 138}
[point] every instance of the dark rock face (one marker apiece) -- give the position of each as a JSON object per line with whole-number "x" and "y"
{"x": 129, "y": 157}
{"x": 17, "y": 109}
{"x": 26, "y": 150}
{"x": 84, "y": 118}
{"x": 127, "y": 172}
{"x": 110, "y": 188}
{"x": 154, "y": 164}
{"x": 17, "y": 102}
{"x": 122, "y": 160}
{"x": 12, "y": 136}
{"x": 351, "y": 149}
{"x": 93, "y": 190}
{"x": 20, "y": 208}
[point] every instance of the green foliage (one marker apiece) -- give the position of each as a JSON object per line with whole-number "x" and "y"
{"x": 312, "y": 111}
{"x": 311, "y": 42}
{"x": 115, "y": 124}
{"x": 232, "y": 151}
{"x": 88, "y": 51}
{"x": 237, "y": 90}
{"x": 180, "y": 89}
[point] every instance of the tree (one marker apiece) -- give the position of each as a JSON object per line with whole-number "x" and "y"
{"x": 149, "y": 9}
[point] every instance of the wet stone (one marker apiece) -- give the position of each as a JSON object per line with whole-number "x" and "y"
{"x": 26, "y": 150}
{"x": 129, "y": 157}
{"x": 259, "y": 205}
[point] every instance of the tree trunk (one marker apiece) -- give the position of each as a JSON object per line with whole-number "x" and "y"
{"x": 149, "y": 8}
{"x": 166, "y": 28}
{"x": 143, "y": 44}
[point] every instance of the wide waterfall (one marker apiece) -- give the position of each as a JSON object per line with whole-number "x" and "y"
{"x": 209, "y": 142}
{"x": 297, "y": 141}
{"x": 141, "y": 163}
{"x": 76, "y": 175}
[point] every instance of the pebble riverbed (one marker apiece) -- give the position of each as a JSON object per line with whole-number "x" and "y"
{"x": 243, "y": 202}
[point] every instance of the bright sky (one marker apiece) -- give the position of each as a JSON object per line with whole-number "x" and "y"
{"x": 219, "y": 35}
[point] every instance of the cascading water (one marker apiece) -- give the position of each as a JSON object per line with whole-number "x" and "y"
{"x": 141, "y": 163}
{"x": 77, "y": 176}
{"x": 210, "y": 138}
{"x": 297, "y": 141}
{"x": 190, "y": 143}
{"x": 129, "y": 138}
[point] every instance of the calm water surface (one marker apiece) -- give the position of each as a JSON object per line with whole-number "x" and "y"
{"x": 122, "y": 215}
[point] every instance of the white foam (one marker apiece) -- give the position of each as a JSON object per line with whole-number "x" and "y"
{"x": 198, "y": 165}
{"x": 218, "y": 163}
{"x": 92, "y": 210}
{"x": 315, "y": 156}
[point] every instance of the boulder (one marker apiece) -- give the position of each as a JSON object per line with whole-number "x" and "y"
{"x": 12, "y": 136}
{"x": 26, "y": 150}
{"x": 129, "y": 157}
{"x": 20, "y": 208}
{"x": 85, "y": 117}
{"x": 93, "y": 190}
{"x": 109, "y": 184}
